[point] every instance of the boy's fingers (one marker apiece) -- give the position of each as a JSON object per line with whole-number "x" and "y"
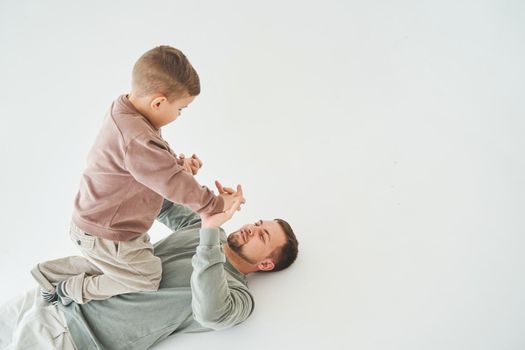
{"x": 229, "y": 190}
{"x": 219, "y": 186}
{"x": 194, "y": 156}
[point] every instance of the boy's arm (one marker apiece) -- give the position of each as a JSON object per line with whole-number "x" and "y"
{"x": 151, "y": 163}
{"x": 176, "y": 216}
{"x": 215, "y": 304}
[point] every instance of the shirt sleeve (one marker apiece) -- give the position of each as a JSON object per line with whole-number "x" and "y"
{"x": 215, "y": 303}
{"x": 176, "y": 216}
{"x": 150, "y": 163}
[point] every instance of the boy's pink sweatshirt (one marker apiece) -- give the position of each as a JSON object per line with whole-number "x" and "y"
{"x": 130, "y": 170}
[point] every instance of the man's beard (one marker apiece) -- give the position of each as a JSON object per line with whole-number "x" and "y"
{"x": 235, "y": 244}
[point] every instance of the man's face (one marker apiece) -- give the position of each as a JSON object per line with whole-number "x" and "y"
{"x": 256, "y": 242}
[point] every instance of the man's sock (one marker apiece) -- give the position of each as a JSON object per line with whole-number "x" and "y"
{"x": 62, "y": 294}
{"x": 48, "y": 296}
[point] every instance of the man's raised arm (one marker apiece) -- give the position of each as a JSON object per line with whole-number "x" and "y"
{"x": 176, "y": 216}
{"x": 216, "y": 303}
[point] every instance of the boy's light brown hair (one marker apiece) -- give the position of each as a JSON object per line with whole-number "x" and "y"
{"x": 166, "y": 70}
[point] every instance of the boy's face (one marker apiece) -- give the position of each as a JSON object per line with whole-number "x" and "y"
{"x": 163, "y": 112}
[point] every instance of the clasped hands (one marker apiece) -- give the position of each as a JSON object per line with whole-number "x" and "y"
{"x": 232, "y": 203}
{"x": 191, "y": 165}
{"x": 233, "y": 199}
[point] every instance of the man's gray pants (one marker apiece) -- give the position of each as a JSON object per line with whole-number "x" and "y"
{"x": 28, "y": 322}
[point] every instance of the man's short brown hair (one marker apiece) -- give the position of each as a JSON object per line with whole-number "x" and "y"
{"x": 285, "y": 255}
{"x": 164, "y": 70}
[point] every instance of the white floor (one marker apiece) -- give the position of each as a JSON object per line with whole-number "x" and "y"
{"x": 389, "y": 133}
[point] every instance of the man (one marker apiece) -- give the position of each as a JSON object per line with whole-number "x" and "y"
{"x": 203, "y": 288}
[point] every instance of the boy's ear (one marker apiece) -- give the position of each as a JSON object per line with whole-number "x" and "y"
{"x": 155, "y": 103}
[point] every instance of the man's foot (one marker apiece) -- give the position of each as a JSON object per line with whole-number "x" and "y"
{"x": 48, "y": 296}
{"x": 62, "y": 294}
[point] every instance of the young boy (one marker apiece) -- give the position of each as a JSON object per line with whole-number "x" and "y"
{"x": 130, "y": 170}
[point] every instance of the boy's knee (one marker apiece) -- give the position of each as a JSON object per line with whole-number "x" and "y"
{"x": 148, "y": 279}
{"x": 155, "y": 286}
{"x": 152, "y": 283}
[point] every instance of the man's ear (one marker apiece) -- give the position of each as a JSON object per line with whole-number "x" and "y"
{"x": 156, "y": 102}
{"x": 266, "y": 265}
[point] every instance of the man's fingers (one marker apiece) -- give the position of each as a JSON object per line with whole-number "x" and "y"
{"x": 235, "y": 207}
{"x": 240, "y": 194}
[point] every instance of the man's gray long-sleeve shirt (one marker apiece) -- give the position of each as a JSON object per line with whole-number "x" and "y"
{"x": 200, "y": 291}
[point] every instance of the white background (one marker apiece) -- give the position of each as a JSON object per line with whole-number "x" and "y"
{"x": 390, "y": 134}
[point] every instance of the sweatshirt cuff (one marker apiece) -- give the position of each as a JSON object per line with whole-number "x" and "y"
{"x": 209, "y": 236}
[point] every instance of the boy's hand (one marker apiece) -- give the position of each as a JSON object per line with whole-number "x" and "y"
{"x": 191, "y": 165}
{"x": 216, "y": 220}
{"x": 221, "y": 189}
{"x": 230, "y": 196}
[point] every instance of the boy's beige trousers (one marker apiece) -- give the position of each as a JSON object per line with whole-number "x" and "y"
{"x": 108, "y": 268}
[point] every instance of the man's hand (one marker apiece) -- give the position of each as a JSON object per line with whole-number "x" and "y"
{"x": 229, "y": 195}
{"x": 191, "y": 165}
{"x": 237, "y": 198}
